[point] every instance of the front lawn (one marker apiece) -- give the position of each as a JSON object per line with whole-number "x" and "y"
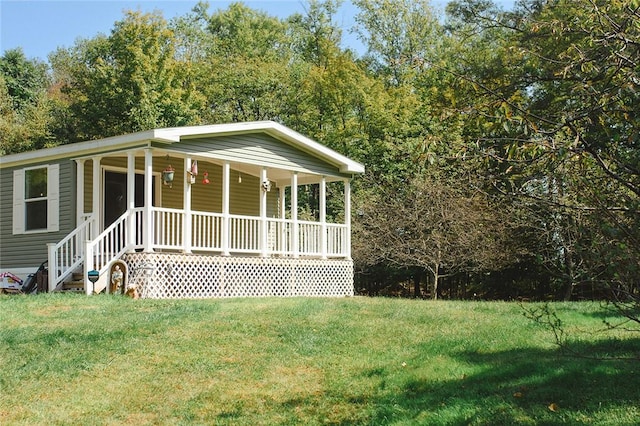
{"x": 69, "y": 359}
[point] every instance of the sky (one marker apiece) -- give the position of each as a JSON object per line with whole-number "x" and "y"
{"x": 39, "y": 27}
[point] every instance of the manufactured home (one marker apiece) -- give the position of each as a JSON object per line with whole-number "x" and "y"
{"x": 187, "y": 212}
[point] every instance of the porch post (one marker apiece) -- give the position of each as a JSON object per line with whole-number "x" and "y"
{"x": 79, "y": 191}
{"x": 282, "y": 227}
{"x": 95, "y": 200}
{"x": 295, "y": 236}
{"x": 147, "y": 234}
{"x": 224, "y": 238}
{"x": 131, "y": 199}
{"x": 347, "y": 217}
{"x": 263, "y": 214}
{"x": 186, "y": 201}
{"x": 323, "y": 217}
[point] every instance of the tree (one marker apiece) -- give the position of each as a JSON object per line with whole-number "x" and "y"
{"x": 563, "y": 128}
{"x": 401, "y": 35}
{"x": 437, "y": 225}
{"x": 128, "y": 81}
{"x": 24, "y": 106}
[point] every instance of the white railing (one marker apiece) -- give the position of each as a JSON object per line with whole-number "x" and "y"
{"x": 244, "y": 234}
{"x": 168, "y": 226}
{"x": 310, "y": 241}
{"x": 113, "y": 242}
{"x": 67, "y": 255}
{"x": 337, "y": 240}
{"x": 206, "y": 231}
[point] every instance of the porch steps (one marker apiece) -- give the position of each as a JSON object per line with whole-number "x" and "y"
{"x": 75, "y": 285}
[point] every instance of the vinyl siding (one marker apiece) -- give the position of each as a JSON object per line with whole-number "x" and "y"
{"x": 260, "y": 149}
{"x": 29, "y": 250}
{"x": 244, "y": 197}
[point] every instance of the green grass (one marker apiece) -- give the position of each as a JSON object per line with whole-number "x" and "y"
{"x": 108, "y": 360}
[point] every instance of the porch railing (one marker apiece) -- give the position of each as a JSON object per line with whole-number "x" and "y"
{"x": 210, "y": 232}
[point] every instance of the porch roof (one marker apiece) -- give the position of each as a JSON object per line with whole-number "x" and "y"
{"x": 177, "y": 134}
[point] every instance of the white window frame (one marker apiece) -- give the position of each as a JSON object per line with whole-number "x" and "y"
{"x": 53, "y": 200}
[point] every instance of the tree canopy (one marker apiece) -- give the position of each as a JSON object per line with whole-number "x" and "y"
{"x": 501, "y": 146}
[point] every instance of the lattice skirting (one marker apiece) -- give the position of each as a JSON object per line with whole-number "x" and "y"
{"x": 172, "y": 276}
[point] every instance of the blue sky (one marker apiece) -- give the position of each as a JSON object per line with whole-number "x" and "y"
{"x": 41, "y": 26}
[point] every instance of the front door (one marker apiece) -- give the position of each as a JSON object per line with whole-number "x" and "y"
{"x": 115, "y": 195}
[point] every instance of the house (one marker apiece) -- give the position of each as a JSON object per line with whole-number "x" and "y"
{"x": 187, "y": 212}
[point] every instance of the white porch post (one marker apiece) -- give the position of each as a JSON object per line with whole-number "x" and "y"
{"x": 226, "y": 170}
{"x": 79, "y": 191}
{"x": 295, "y": 236}
{"x": 263, "y": 214}
{"x": 347, "y": 217}
{"x": 282, "y": 202}
{"x": 148, "y": 200}
{"x": 186, "y": 201}
{"x": 95, "y": 200}
{"x": 282, "y": 238}
{"x": 131, "y": 199}
{"x": 323, "y": 217}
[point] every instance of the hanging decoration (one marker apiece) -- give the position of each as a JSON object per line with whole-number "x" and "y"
{"x": 167, "y": 176}
{"x": 191, "y": 174}
{"x": 205, "y": 178}
{"x": 266, "y": 186}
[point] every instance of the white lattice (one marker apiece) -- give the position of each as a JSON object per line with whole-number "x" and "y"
{"x": 172, "y": 275}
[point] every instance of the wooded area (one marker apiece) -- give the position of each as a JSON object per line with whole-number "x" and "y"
{"x": 502, "y": 147}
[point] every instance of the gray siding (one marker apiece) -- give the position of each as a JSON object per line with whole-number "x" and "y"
{"x": 27, "y": 250}
{"x": 257, "y": 149}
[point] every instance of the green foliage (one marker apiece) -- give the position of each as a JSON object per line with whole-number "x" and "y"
{"x": 129, "y": 81}
{"x": 24, "y": 107}
{"x": 534, "y": 108}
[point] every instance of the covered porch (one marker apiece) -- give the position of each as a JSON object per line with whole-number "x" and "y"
{"x": 163, "y": 208}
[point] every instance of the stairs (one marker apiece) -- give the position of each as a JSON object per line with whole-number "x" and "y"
{"x": 76, "y": 285}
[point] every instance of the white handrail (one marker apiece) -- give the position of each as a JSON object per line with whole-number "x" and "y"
{"x": 68, "y": 254}
{"x": 244, "y": 236}
{"x": 110, "y": 244}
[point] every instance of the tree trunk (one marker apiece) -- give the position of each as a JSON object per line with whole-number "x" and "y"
{"x": 417, "y": 276}
{"x": 568, "y": 262}
{"x": 436, "y": 278}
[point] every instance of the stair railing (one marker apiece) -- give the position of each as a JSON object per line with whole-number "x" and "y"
{"x": 110, "y": 245}
{"x": 67, "y": 255}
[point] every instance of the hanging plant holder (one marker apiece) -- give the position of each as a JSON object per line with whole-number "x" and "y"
{"x": 193, "y": 173}
{"x": 168, "y": 175}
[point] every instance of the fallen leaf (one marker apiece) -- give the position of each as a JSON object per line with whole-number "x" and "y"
{"x": 518, "y": 395}
{"x": 553, "y": 407}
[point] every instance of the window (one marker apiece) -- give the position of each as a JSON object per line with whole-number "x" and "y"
{"x": 35, "y": 199}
